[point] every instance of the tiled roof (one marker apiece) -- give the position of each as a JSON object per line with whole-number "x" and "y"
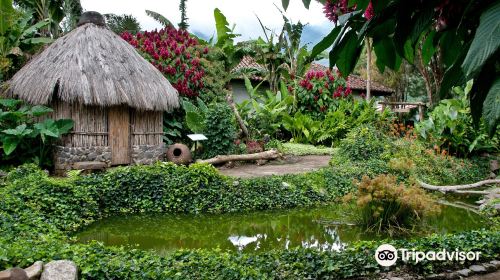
{"x": 355, "y": 81}
{"x": 249, "y": 63}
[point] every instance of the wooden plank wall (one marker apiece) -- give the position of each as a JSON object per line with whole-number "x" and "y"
{"x": 90, "y": 124}
{"x": 147, "y": 127}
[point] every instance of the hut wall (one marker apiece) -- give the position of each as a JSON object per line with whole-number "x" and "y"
{"x": 147, "y": 136}
{"x": 88, "y": 140}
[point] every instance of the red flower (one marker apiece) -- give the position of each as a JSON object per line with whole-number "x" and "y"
{"x": 369, "y": 13}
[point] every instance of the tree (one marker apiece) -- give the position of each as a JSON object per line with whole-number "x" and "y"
{"x": 182, "y": 8}
{"x": 53, "y": 10}
{"x": 399, "y": 27}
{"x": 122, "y": 23}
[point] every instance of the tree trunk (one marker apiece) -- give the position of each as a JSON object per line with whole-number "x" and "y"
{"x": 272, "y": 154}
{"x": 368, "y": 66}
{"x": 239, "y": 120}
{"x": 445, "y": 189}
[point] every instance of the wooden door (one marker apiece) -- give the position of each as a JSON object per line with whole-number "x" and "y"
{"x": 119, "y": 135}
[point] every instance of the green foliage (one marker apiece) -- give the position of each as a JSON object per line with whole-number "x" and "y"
{"x": 122, "y": 23}
{"x": 264, "y": 113}
{"x": 385, "y": 205}
{"x": 220, "y": 129}
{"x": 399, "y": 27}
{"x": 301, "y": 149}
{"x": 304, "y": 129}
{"x": 450, "y": 127}
{"x": 195, "y": 115}
{"x": 173, "y": 127}
{"x": 18, "y": 39}
{"x": 159, "y": 18}
{"x": 363, "y": 143}
{"x": 25, "y": 139}
{"x": 38, "y": 212}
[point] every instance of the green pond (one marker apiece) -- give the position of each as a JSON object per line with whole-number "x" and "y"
{"x": 325, "y": 228}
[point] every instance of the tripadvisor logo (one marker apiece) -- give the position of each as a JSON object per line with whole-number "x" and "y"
{"x": 387, "y": 255}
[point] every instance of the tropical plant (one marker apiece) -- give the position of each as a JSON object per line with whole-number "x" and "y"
{"x": 318, "y": 92}
{"x": 159, "y": 18}
{"x": 385, "y": 205}
{"x": 122, "y": 23}
{"x": 176, "y": 54}
{"x": 25, "y": 139}
{"x": 220, "y": 129}
{"x": 398, "y": 26}
{"x": 264, "y": 112}
{"x": 52, "y": 10}
{"x": 450, "y": 127}
{"x": 195, "y": 115}
{"x": 304, "y": 128}
{"x": 18, "y": 39}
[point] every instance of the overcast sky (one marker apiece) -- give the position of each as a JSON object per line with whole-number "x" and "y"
{"x": 240, "y": 12}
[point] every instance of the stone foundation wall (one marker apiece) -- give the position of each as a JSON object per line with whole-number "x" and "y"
{"x": 148, "y": 154}
{"x": 66, "y": 156}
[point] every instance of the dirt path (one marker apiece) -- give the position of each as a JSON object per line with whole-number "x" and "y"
{"x": 489, "y": 276}
{"x": 290, "y": 165}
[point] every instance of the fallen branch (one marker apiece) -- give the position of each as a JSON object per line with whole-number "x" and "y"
{"x": 272, "y": 154}
{"x": 445, "y": 189}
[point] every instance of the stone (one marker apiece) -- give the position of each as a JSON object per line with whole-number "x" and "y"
{"x": 35, "y": 270}
{"x": 17, "y": 273}
{"x": 494, "y": 165}
{"x": 465, "y": 272}
{"x": 60, "y": 270}
{"x": 436, "y": 276}
{"x": 490, "y": 267}
{"x": 496, "y": 264}
{"x": 396, "y": 278}
{"x": 451, "y": 275}
{"x": 477, "y": 268}
{"x": 5, "y": 275}
{"x": 89, "y": 165}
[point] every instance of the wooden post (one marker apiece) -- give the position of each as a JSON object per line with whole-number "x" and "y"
{"x": 421, "y": 112}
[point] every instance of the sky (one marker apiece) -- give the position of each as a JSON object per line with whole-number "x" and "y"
{"x": 242, "y": 13}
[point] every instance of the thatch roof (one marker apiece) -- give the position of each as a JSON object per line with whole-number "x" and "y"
{"x": 93, "y": 66}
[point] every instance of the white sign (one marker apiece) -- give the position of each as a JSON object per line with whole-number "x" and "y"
{"x": 197, "y": 137}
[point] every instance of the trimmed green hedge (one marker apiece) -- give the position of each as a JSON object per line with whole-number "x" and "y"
{"x": 38, "y": 212}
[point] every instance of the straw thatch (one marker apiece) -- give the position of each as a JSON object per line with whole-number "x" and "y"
{"x": 91, "y": 65}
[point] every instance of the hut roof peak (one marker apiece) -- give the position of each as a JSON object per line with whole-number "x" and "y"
{"x": 92, "y": 65}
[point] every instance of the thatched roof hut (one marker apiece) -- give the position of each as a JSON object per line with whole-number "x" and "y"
{"x": 114, "y": 95}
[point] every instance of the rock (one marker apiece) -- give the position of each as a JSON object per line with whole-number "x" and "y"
{"x": 496, "y": 264}
{"x": 35, "y": 270}
{"x": 17, "y": 273}
{"x": 464, "y": 272}
{"x": 490, "y": 267}
{"x": 60, "y": 270}
{"x": 435, "y": 277}
{"x": 494, "y": 165}
{"x": 89, "y": 165}
{"x": 396, "y": 278}
{"x": 477, "y": 268}
{"x": 5, "y": 275}
{"x": 452, "y": 275}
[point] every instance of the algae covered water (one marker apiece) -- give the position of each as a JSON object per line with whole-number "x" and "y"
{"x": 325, "y": 228}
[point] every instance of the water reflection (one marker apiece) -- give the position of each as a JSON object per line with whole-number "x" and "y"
{"x": 248, "y": 232}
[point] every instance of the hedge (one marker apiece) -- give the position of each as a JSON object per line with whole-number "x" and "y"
{"x": 38, "y": 214}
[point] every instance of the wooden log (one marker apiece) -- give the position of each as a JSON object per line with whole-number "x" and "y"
{"x": 455, "y": 188}
{"x": 272, "y": 154}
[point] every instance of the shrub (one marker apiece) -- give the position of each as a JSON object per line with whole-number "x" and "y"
{"x": 23, "y": 137}
{"x": 220, "y": 129}
{"x": 450, "y": 127}
{"x": 319, "y": 91}
{"x": 37, "y": 213}
{"x": 363, "y": 143}
{"x": 176, "y": 54}
{"x": 386, "y": 206}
